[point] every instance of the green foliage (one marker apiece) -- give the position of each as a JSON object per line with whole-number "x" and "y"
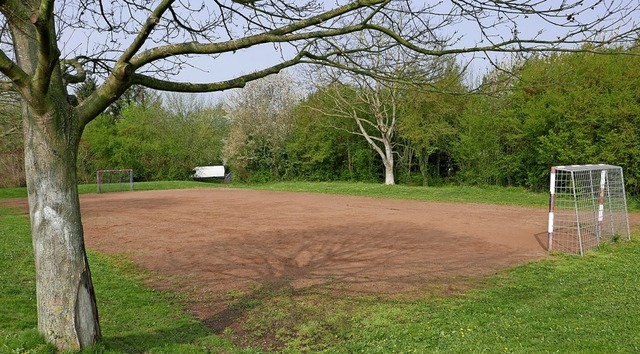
{"x": 296, "y": 142}
{"x": 323, "y": 149}
{"x": 261, "y": 122}
{"x": 483, "y": 150}
{"x": 565, "y": 109}
{"x": 428, "y": 125}
{"x": 157, "y": 144}
{"x": 11, "y": 150}
{"x": 581, "y": 108}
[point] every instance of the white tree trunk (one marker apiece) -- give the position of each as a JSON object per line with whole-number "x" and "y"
{"x": 389, "y": 177}
{"x": 386, "y": 155}
{"x": 67, "y": 312}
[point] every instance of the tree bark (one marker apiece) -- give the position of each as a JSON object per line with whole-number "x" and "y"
{"x": 67, "y": 311}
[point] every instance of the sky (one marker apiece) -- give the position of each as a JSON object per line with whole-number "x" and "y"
{"x": 241, "y": 62}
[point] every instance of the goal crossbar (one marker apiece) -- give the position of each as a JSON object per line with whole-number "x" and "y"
{"x": 587, "y": 207}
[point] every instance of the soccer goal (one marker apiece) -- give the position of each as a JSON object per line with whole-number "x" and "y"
{"x": 114, "y": 180}
{"x": 587, "y": 207}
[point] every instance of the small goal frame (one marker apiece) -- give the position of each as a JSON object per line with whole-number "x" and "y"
{"x": 100, "y": 180}
{"x": 587, "y": 207}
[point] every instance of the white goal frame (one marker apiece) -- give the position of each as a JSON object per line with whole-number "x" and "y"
{"x": 100, "y": 180}
{"x": 587, "y": 207}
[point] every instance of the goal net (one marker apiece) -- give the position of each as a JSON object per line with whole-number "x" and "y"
{"x": 587, "y": 207}
{"x": 114, "y": 180}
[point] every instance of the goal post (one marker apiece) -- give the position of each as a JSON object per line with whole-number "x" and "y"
{"x": 114, "y": 180}
{"x": 587, "y": 207}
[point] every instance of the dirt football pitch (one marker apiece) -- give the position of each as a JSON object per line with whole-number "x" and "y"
{"x": 217, "y": 241}
{"x": 211, "y": 242}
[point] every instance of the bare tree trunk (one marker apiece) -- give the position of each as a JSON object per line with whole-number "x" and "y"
{"x": 67, "y": 312}
{"x": 389, "y": 177}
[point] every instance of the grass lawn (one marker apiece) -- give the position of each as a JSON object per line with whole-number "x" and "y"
{"x": 564, "y": 304}
{"x": 133, "y": 318}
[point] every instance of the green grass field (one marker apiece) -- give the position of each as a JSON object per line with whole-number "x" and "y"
{"x": 564, "y": 304}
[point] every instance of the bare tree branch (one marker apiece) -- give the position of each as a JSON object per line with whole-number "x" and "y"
{"x": 47, "y": 52}
{"x": 150, "y": 42}
{"x": 73, "y": 64}
{"x": 145, "y": 31}
{"x": 281, "y": 34}
{"x": 13, "y": 71}
{"x": 238, "y": 82}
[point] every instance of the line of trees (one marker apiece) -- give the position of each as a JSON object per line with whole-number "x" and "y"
{"x": 562, "y": 109}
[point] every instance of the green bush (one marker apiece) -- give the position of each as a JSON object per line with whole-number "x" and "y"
{"x": 155, "y": 143}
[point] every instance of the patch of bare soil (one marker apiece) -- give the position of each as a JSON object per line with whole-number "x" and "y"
{"x": 221, "y": 240}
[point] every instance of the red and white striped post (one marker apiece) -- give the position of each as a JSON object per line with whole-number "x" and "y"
{"x": 603, "y": 178}
{"x": 552, "y": 201}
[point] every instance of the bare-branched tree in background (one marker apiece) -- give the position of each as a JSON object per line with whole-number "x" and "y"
{"x": 369, "y": 88}
{"x": 261, "y": 118}
{"x": 48, "y": 45}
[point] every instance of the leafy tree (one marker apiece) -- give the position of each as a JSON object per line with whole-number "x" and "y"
{"x": 371, "y": 102}
{"x": 156, "y": 143}
{"x": 322, "y": 147}
{"x": 575, "y": 108}
{"x": 428, "y": 123}
{"x": 373, "y": 106}
{"x": 483, "y": 151}
{"x": 88, "y": 161}
{"x": 145, "y": 43}
{"x": 578, "y": 109}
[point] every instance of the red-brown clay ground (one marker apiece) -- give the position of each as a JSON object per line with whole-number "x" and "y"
{"x": 210, "y": 242}
{"x": 218, "y": 241}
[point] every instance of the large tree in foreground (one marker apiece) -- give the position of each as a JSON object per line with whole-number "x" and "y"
{"x": 47, "y": 45}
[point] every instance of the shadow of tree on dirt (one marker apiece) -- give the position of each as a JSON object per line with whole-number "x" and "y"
{"x": 241, "y": 261}
{"x": 378, "y": 259}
